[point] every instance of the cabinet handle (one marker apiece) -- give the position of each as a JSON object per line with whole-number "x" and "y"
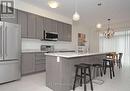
{"x": 6, "y": 41}
{"x": 1, "y": 52}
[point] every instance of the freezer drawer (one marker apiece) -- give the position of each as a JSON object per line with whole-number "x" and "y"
{"x": 9, "y": 71}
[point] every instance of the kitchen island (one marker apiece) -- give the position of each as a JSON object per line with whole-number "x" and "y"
{"x": 60, "y": 70}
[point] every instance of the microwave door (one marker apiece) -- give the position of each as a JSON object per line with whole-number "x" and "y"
{"x": 1, "y": 41}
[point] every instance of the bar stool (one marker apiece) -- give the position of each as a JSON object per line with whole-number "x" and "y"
{"x": 99, "y": 68}
{"x": 83, "y": 68}
{"x": 108, "y": 63}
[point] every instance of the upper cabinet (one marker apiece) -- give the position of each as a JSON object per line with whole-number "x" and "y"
{"x": 11, "y": 19}
{"x": 50, "y": 25}
{"x": 54, "y": 25}
{"x": 60, "y": 31}
{"x": 39, "y": 27}
{"x": 64, "y": 31}
{"x": 47, "y": 25}
{"x": 69, "y": 32}
{"x": 23, "y": 21}
{"x": 31, "y": 25}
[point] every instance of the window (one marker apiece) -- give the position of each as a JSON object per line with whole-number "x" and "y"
{"x": 119, "y": 43}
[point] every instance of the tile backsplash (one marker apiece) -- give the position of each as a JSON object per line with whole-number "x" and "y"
{"x": 35, "y": 44}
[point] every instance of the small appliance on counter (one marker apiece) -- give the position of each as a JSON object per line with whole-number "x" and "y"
{"x": 47, "y": 48}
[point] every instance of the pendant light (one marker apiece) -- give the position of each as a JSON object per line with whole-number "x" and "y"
{"x": 76, "y": 16}
{"x": 110, "y": 32}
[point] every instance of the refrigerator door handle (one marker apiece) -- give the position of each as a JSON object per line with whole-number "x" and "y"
{"x": 1, "y": 52}
{"x": 6, "y": 41}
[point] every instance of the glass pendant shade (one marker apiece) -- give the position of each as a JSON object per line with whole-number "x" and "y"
{"x": 76, "y": 16}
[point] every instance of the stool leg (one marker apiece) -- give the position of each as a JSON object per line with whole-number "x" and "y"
{"x": 105, "y": 68}
{"x": 94, "y": 73}
{"x": 101, "y": 71}
{"x": 90, "y": 79}
{"x": 76, "y": 72}
{"x": 81, "y": 77}
{"x": 110, "y": 72}
{"x": 113, "y": 70}
{"x": 85, "y": 80}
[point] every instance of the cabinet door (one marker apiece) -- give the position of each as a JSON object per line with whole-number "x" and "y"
{"x": 47, "y": 24}
{"x": 39, "y": 27}
{"x": 11, "y": 19}
{"x": 28, "y": 63}
{"x": 60, "y": 31}
{"x": 40, "y": 67}
{"x": 69, "y": 32}
{"x": 22, "y": 20}
{"x": 53, "y": 26}
{"x": 31, "y": 25}
{"x": 66, "y": 32}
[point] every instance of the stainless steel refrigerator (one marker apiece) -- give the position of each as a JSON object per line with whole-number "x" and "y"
{"x": 10, "y": 51}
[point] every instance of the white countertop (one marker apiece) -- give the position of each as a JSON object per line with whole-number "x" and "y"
{"x": 32, "y": 50}
{"x": 73, "y": 54}
{"x": 38, "y": 50}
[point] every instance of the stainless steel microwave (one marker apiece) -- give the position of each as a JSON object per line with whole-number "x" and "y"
{"x": 50, "y": 36}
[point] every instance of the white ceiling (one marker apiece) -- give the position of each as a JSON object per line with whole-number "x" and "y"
{"x": 90, "y": 13}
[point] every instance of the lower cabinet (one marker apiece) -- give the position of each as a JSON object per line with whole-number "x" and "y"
{"x": 40, "y": 67}
{"x": 28, "y": 63}
{"x": 33, "y": 62}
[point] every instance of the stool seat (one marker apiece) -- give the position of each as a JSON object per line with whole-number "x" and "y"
{"x": 83, "y": 65}
{"x": 98, "y": 65}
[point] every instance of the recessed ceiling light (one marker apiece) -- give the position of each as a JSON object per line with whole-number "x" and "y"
{"x": 99, "y": 25}
{"x": 53, "y": 4}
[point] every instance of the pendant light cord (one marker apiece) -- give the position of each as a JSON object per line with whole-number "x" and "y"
{"x": 108, "y": 25}
{"x": 75, "y": 5}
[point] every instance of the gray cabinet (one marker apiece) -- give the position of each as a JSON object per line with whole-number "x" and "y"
{"x": 47, "y": 24}
{"x": 31, "y": 25}
{"x": 53, "y": 26}
{"x": 39, "y": 27}
{"x": 50, "y": 25}
{"x": 40, "y": 62}
{"x": 67, "y": 32}
{"x": 28, "y": 63}
{"x": 60, "y": 31}
{"x": 64, "y": 31}
{"x": 22, "y": 20}
{"x": 33, "y": 62}
{"x": 11, "y": 19}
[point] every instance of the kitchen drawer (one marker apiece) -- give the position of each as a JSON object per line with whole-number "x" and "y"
{"x": 41, "y": 61}
{"x": 40, "y": 67}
